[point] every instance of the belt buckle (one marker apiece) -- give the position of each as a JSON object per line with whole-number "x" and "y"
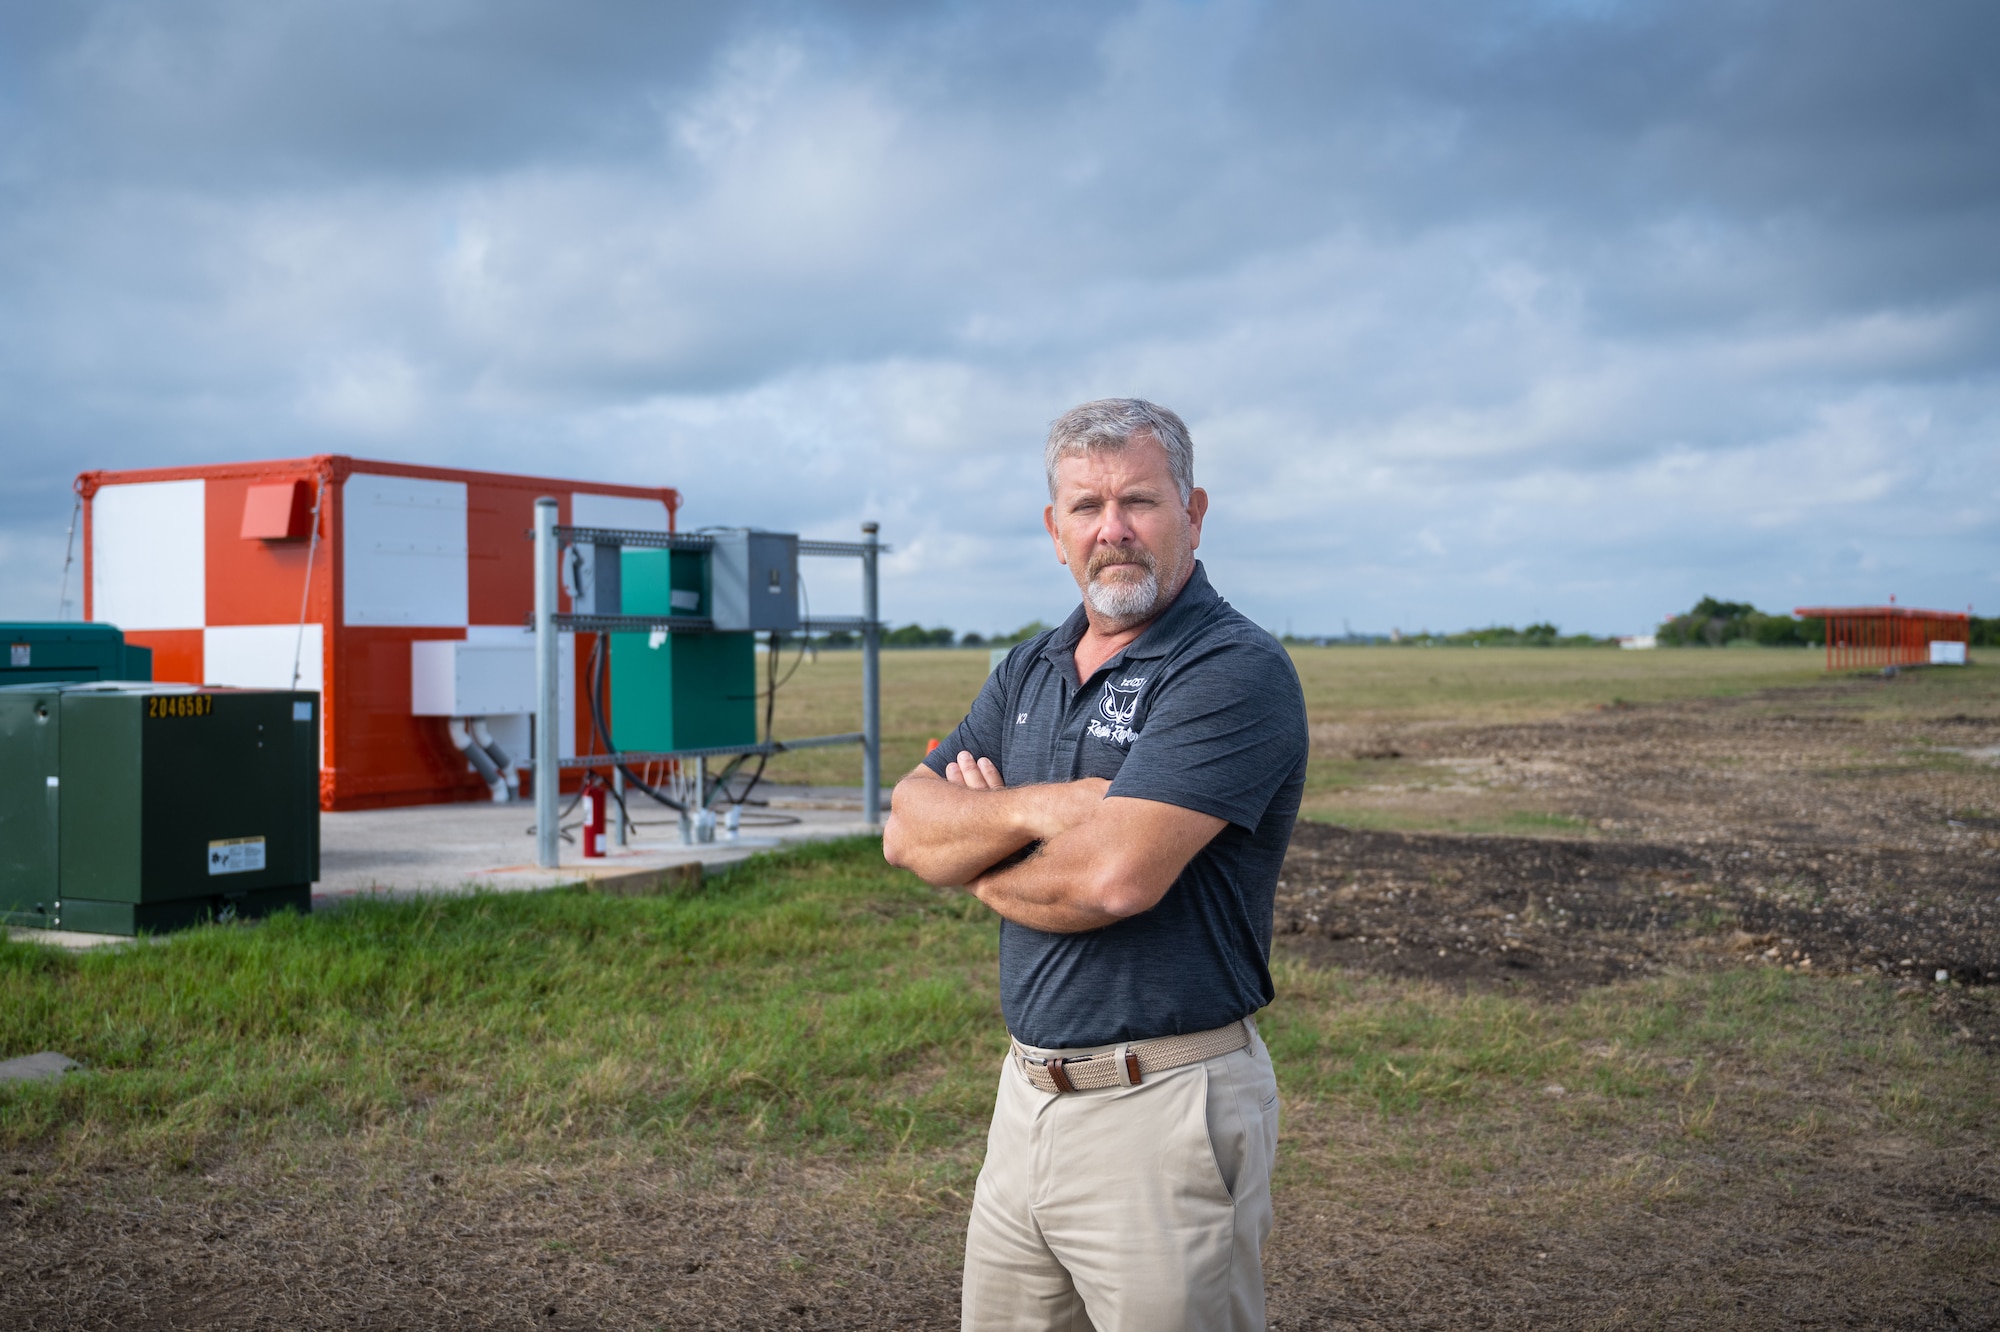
{"x": 1054, "y": 1066}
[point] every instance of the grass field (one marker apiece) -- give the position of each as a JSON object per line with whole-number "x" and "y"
{"x": 925, "y": 693}
{"x": 779, "y": 1086}
{"x": 821, "y": 1008}
{"x": 767, "y": 1006}
{"x": 765, "y": 1010}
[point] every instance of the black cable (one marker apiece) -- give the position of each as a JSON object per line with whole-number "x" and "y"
{"x": 771, "y": 693}
{"x": 562, "y": 814}
{"x": 770, "y": 711}
{"x": 599, "y": 672}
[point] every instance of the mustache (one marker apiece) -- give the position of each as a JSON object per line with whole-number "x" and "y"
{"x": 1103, "y": 559}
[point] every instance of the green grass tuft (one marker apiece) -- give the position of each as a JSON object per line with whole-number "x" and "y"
{"x": 810, "y": 997}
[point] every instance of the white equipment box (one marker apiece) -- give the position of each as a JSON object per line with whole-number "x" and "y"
{"x": 455, "y": 678}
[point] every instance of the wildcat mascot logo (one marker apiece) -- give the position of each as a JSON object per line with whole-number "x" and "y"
{"x": 1115, "y": 710}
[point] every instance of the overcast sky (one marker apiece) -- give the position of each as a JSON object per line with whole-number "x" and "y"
{"x": 1479, "y": 312}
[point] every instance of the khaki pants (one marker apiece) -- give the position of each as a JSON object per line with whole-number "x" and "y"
{"x": 1129, "y": 1209}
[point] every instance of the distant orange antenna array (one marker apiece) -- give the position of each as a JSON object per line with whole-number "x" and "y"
{"x": 1859, "y": 637}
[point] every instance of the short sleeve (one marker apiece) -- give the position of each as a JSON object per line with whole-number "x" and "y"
{"x": 982, "y": 728}
{"x": 1223, "y": 736}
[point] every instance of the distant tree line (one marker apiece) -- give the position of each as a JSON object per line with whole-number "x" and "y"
{"x": 1505, "y": 635}
{"x": 1499, "y": 635}
{"x": 1711, "y": 623}
{"x": 1715, "y": 623}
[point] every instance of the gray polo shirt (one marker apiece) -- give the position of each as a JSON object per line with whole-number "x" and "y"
{"x": 1203, "y": 710}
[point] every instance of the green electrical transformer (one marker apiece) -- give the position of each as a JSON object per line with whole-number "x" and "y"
{"x": 674, "y": 690}
{"x": 65, "y": 650}
{"x": 139, "y": 807}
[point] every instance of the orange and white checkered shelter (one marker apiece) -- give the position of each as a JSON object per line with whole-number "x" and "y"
{"x": 1862, "y": 637}
{"x": 208, "y": 566}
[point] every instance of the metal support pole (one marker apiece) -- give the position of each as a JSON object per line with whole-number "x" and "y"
{"x": 548, "y": 685}
{"x": 618, "y": 790}
{"x": 871, "y": 682}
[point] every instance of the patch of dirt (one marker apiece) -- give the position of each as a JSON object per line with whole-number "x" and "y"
{"x": 1808, "y": 767}
{"x": 1573, "y": 1232}
{"x": 1551, "y": 916}
{"x": 1759, "y": 1221}
{"x": 257, "y": 1244}
{"x": 1751, "y": 831}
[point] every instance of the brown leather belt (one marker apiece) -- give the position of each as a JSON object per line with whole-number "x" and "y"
{"x": 1127, "y": 1065}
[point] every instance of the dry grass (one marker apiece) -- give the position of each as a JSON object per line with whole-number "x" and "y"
{"x": 1755, "y": 1150}
{"x": 925, "y": 693}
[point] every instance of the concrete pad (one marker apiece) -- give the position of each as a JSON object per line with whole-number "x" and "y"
{"x": 399, "y": 853}
{"x": 74, "y": 940}
{"x": 35, "y": 1067}
{"x": 403, "y": 853}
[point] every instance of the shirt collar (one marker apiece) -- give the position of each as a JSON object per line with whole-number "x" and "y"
{"x": 1197, "y": 597}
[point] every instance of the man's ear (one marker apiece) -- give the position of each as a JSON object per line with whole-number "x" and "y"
{"x": 1049, "y": 521}
{"x": 1197, "y": 509}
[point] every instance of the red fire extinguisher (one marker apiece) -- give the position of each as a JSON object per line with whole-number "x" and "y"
{"x": 593, "y": 820}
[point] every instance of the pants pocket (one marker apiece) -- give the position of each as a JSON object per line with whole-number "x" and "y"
{"x": 1242, "y": 1119}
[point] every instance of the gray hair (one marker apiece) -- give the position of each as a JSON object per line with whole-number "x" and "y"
{"x": 1109, "y": 424}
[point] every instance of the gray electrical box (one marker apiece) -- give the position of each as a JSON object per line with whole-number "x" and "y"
{"x": 754, "y": 581}
{"x": 592, "y": 575}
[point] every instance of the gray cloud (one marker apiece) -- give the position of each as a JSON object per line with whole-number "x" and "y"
{"x": 1479, "y": 312}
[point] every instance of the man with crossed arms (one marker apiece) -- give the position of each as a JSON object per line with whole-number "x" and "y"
{"x": 1122, "y": 794}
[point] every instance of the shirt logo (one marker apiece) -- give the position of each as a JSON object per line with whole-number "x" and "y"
{"x": 1117, "y": 706}
{"x": 1021, "y": 720}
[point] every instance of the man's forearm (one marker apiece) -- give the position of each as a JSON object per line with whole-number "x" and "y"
{"x": 1042, "y": 892}
{"x": 1117, "y": 863}
{"x": 948, "y": 835}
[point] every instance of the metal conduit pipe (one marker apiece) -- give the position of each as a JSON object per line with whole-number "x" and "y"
{"x": 501, "y": 759}
{"x": 461, "y": 735}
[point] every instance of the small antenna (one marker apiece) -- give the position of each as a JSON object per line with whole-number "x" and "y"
{"x": 69, "y": 552}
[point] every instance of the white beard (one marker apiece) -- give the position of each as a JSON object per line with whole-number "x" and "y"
{"x": 1125, "y": 599}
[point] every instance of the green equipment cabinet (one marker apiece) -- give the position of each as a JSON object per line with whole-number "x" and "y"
{"x": 137, "y": 807}
{"x": 67, "y": 651}
{"x": 679, "y": 690}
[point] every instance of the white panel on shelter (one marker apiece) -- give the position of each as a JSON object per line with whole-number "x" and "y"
{"x": 1947, "y": 654}
{"x": 403, "y": 557}
{"x": 504, "y": 634}
{"x": 456, "y": 678}
{"x": 259, "y": 656}
{"x": 622, "y": 511}
{"x": 149, "y": 555}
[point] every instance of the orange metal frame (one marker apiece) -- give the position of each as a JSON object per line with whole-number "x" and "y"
{"x": 1864, "y": 637}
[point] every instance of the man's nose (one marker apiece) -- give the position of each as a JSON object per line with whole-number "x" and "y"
{"x": 1114, "y": 530}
